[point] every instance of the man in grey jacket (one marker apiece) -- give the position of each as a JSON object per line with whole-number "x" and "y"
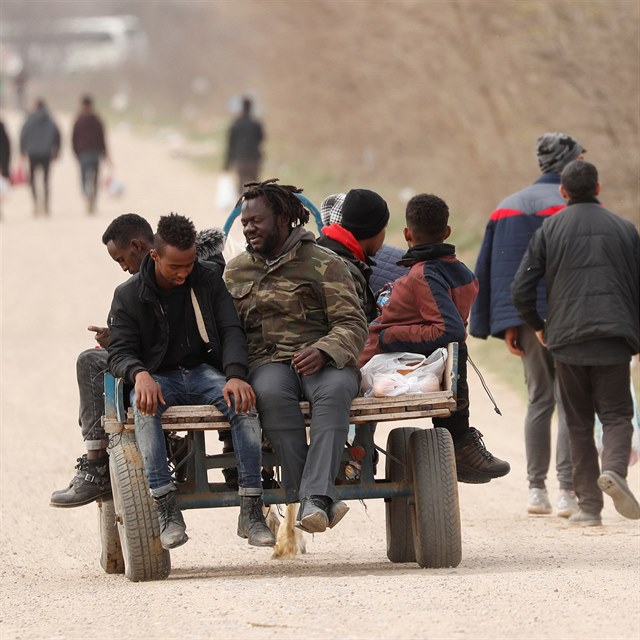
{"x": 40, "y": 142}
{"x": 591, "y": 260}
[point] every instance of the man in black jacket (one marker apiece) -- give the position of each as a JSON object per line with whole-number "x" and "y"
{"x": 176, "y": 337}
{"x": 591, "y": 260}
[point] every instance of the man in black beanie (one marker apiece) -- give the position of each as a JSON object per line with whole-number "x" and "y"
{"x": 357, "y": 238}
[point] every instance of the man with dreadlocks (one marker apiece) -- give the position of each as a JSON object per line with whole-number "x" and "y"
{"x": 176, "y": 338}
{"x": 305, "y": 327}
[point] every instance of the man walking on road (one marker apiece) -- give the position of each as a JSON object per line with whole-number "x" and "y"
{"x": 591, "y": 260}
{"x": 507, "y": 234}
{"x": 88, "y": 141}
{"x": 40, "y": 142}
{"x": 244, "y": 146}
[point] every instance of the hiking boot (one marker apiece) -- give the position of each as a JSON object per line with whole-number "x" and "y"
{"x": 567, "y": 503}
{"x": 584, "y": 519}
{"x": 173, "y": 531}
{"x": 474, "y": 463}
{"x": 251, "y": 523}
{"x": 90, "y": 483}
{"x": 624, "y": 501}
{"x": 337, "y": 510}
{"x": 313, "y": 514}
{"x": 538, "y": 504}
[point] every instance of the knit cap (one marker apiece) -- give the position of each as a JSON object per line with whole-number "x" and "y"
{"x": 556, "y": 150}
{"x": 364, "y": 213}
{"x": 331, "y": 209}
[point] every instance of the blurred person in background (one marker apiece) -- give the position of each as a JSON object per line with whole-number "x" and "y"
{"x": 505, "y": 241}
{"x": 40, "y": 142}
{"x": 5, "y": 152}
{"x": 89, "y": 146}
{"x": 245, "y": 138}
{"x": 591, "y": 259}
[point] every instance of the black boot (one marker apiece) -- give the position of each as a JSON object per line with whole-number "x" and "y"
{"x": 251, "y": 523}
{"x": 92, "y": 481}
{"x": 474, "y": 462}
{"x": 173, "y": 531}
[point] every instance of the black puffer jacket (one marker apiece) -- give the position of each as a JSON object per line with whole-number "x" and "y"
{"x": 591, "y": 260}
{"x": 140, "y": 332}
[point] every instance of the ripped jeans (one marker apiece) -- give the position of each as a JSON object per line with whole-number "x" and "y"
{"x": 199, "y": 385}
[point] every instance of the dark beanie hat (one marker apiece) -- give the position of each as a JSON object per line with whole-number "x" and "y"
{"x": 556, "y": 150}
{"x": 364, "y": 213}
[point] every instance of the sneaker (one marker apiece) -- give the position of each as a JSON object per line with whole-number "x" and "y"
{"x": 173, "y": 531}
{"x": 624, "y": 501}
{"x": 567, "y": 503}
{"x": 337, "y": 510}
{"x": 92, "y": 481}
{"x": 538, "y": 504}
{"x": 583, "y": 519}
{"x": 474, "y": 463}
{"x": 313, "y": 514}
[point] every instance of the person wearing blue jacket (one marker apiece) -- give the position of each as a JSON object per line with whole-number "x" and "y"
{"x": 505, "y": 241}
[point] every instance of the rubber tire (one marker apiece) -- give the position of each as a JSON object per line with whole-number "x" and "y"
{"x": 136, "y": 515}
{"x": 436, "y": 513}
{"x": 400, "y": 545}
{"x": 111, "y": 558}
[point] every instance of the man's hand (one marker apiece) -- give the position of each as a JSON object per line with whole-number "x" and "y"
{"x": 102, "y": 335}
{"x": 309, "y": 360}
{"x": 148, "y": 394}
{"x": 242, "y": 392}
{"x": 511, "y": 340}
{"x": 540, "y": 336}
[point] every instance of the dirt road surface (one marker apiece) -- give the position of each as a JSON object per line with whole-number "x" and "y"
{"x": 520, "y": 576}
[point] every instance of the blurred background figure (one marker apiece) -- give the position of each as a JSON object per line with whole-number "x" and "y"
{"x": 89, "y": 146}
{"x": 40, "y": 142}
{"x": 245, "y": 139}
{"x": 5, "y": 152}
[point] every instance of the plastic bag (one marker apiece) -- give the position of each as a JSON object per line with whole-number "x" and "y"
{"x": 394, "y": 374}
{"x": 226, "y": 191}
{"x": 18, "y": 175}
{"x": 635, "y": 438}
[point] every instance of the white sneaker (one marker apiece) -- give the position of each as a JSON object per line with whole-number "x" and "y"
{"x": 567, "y": 503}
{"x": 538, "y": 502}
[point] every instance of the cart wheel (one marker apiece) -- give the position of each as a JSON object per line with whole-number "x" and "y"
{"x": 111, "y": 558}
{"x": 138, "y": 526}
{"x": 398, "y": 510}
{"x": 436, "y": 512}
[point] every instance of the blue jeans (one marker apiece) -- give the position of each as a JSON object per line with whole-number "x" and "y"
{"x": 200, "y": 385}
{"x": 89, "y": 165}
{"x": 91, "y": 366}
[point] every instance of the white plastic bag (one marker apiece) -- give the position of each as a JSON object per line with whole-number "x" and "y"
{"x": 226, "y": 191}
{"x": 394, "y": 374}
{"x": 635, "y": 438}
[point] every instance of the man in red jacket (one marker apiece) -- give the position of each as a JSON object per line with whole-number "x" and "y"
{"x": 427, "y": 309}
{"x": 88, "y": 140}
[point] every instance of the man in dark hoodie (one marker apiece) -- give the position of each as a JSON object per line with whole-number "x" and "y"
{"x": 40, "y": 142}
{"x": 177, "y": 339}
{"x": 427, "y": 309}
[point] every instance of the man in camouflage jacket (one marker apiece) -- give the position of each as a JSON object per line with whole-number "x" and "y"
{"x": 305, "y": 329}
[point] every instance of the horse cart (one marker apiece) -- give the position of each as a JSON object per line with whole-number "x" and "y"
{"x": 419, "y": 486}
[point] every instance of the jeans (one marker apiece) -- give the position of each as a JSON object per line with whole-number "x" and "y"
{"x": 89, "y": 164}
{"x": 91, "y": 366}
{"x": 306, "y": 469}
{"x": 199, "y": 385}
{"x": 603, "y": 390}
{"x": 539, "y": 372}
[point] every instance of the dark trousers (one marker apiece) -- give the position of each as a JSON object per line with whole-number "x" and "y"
{"x": 458, "y": 423}
{"x": 604, "y": 390}
{"x": 37, "y": 164}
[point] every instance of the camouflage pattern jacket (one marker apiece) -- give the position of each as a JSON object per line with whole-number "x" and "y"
{"x": 306, "y": 297}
